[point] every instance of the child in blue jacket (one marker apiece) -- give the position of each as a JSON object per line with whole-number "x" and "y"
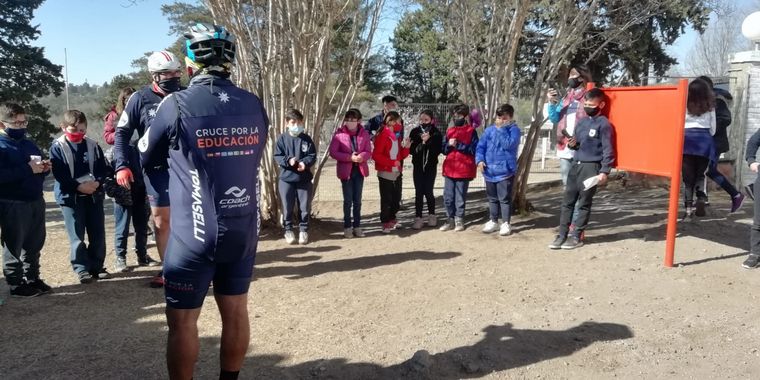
{"x": 496, "y": 156}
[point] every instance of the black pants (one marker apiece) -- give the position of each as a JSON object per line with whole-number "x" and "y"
{"x": 290, "y": 193}
{"x": 574, "y": 193}
{"x": 390, "y": 198}
{"x": 754, "y": 236}
{"x": 23, "y": 236}
{"x": 423, "y": 191}
{"x": 692, "y": 169}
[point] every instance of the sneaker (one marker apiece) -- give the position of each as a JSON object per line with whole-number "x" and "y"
{"x": 750, "y": 190}
{"x": 348, "y": 233}
{"x": 736, "y": 202}
{"x": 505, "y": 229}
{"x": 358, "y": 232}
{"x": 157, "y": 281}
{"x": 395, "y": 224}
{"x": 290, "y": 237}
{"x": 752, "y": 261}
{"x": 303, "y": 238}
{"x": 490, "y": 226}
{"x": 700, "y": 208}
{"x": 458, "y": 224}
{"x": 417, "y": 223}
{"x": 432, "y": 220}
{"x": 688, "y": 214}
{"x": 387, "y": 228}
{"x": 121, "y": 265}
{"x": 572, "y": 243}
{"x": 448, "y": 225}
{"x": 40, "y": 285}
{"x": 25, "y": 290}
{"x": 84, "y": 278}
{"x": 102, "y": 274}
{"x": 147, "y": 261}
{"x": 557, "y": 243}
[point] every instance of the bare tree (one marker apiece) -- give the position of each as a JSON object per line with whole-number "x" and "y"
{"x": 284, "y": 56}
{"x": 709, "y": 55}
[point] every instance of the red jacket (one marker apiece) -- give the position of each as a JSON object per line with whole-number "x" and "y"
{"x": 382, "y": 151}
{"x": 110, "y": 125}
{"x": 460, "y": 159}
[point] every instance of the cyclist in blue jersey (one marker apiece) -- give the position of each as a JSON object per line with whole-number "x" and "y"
{"x": 138, "y": 113}
{"x": 210, "y": 131}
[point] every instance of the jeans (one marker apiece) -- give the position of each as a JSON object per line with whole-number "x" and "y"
{"x": 717, "y": 177}
{"x": 564, "y": 169}
{"x": 139, "y": 219}
{"x": 754, "y": 236}
{"x": 692, "y": 168}
{"x": 500, "y": 199}
{"x": 86, "y": 215}
{"x": 574, "y": 194}
{"x": 23, "y": 234}
{"x": 290, "y": 192}
{"x": 390, "y": 198}
{"x": 423, "y": 191}
{"x": 352, "y": 198}
{"x": 455, "y": 196}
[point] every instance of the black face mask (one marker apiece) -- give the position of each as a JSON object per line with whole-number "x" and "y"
{"x": 169, "y": 85}
{"x": 460, "y": 122}
{"x": 574, "y": 82}
{"x": 591, "y": 111}
{"x": 426, "y": 126}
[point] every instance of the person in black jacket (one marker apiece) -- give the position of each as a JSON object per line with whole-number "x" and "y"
{"x": 296, "y": 154}
{"x": 22, "y": 207}
{"x": 722, "y": 121}
{"x": 426, "y": 147}
{"x": 754, "y": 238}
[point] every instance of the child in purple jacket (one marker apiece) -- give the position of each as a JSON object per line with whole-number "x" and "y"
{"x": 351, "y": 147}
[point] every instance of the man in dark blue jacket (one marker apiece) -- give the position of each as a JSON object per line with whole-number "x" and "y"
{"x": 22, "y": 208}
{"x": 138, "y": 113}
{"x": 593, "y": 160}
{"x": 214, "y": 134}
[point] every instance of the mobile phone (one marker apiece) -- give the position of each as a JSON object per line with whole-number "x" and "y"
{"x": 566, "y": 134}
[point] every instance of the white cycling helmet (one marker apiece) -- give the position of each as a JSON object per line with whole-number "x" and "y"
{"x": 163, "y": 61}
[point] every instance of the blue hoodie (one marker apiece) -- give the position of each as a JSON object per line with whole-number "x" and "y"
{"x": 498, "y": 149}
{"x": 17, "y": 181}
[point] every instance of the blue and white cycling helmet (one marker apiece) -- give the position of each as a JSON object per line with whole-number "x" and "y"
{"x": 210, "y": 45}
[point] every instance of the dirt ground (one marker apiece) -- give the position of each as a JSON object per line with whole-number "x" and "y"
{"x": 430, "y": 304}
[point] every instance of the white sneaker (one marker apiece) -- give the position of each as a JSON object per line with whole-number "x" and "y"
{"x": 432, "y": 220}
{"x": 448, "y": 225}
{"x": 290, "y": 237}
{"x": 417, "y": 223}
{"x": 458, "y": 224}
{"x": 490, "y": 226}
{"x": 348, "y": 233}
{"x": 505, "y": 229}
{"x": 303, "y": 237}
{"x": 358, "y": 232}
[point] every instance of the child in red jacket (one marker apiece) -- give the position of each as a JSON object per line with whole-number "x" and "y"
{"x": 388, "y": 153}
{"x": 459, "y": 167}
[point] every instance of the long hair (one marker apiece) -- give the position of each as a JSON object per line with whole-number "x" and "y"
{"x": 121, "y": 101}
{"x": 701, "y": 98}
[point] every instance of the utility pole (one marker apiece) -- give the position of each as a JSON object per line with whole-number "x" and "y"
{"x": 66, "y": 78}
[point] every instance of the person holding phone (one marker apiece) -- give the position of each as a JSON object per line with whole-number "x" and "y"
{"x": 388, "y": 155}
{"x": 427, "y": 142}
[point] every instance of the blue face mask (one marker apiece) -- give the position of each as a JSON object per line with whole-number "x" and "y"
{"x": 295, "y": 130}
{"x": 16, "y": 133}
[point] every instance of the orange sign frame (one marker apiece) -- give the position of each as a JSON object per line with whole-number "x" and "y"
{"x": 649, "y": 129}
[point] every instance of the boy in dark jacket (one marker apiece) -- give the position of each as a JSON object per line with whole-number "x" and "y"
{"x": 79, "y": 169}
{"x": 296, "y": 154}
{"x": 426, "y": 147}
{"x": 496, "y": 156}
{"x": 594, "y": 156}
{"x": 22, "y": 208}
{"x": 458, "y": 167}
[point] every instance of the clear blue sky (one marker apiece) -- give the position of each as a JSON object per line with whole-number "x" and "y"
{"x": 104, "y": 36}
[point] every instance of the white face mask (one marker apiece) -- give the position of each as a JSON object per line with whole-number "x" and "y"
{"x": 351, "y": 125}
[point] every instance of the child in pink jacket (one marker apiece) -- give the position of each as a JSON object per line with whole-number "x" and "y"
{"x": 351, "y": 147}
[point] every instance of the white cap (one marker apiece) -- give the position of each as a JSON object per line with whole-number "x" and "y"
{"x": 162, "y": 61}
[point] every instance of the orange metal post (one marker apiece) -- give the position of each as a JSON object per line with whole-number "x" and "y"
{"x": 675, "y": 187}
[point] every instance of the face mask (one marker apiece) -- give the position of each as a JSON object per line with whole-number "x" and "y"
{"x": 75, "y": 137}
{"x": 295, "y": 130}
{"x": 16, "y": 133}
{"x": 574, "y": 82}
{"x": 351, "y": 125}
{"x": 169, "y": 85}
{"x": 460, "y": 122}
{"x": 591, "y": 111}
{"x": 426, "y": 126}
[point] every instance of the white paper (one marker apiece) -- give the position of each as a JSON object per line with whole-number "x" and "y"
{"x": 86, "y": 178}
{"x": 590, "y": 182}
